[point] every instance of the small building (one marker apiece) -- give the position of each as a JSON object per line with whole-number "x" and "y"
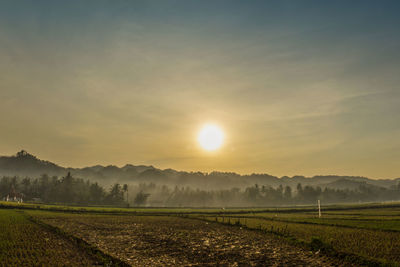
{"x": 14, "y": 196}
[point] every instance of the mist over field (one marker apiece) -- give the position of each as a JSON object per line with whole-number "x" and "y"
{"x": 149, "y": 186}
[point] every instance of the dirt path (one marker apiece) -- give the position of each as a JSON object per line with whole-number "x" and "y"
{"x": 161, "y": 241}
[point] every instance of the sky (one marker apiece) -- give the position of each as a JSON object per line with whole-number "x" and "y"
{"x": 298, "y": 87}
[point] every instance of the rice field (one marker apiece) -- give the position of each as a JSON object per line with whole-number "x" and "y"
{"x": 23, "y": 243}
{"x": 51, "y": 235}
{"x": 371, "y": 234}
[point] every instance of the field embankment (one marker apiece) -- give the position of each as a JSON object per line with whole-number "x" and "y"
{"x": 24, "y": 243}
{"x": 364, "y": 236}
{"x": 175, "y": 241}
{"x": 345, "y": 235}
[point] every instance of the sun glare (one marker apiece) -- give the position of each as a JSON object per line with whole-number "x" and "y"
{"x": 211, "y": 137}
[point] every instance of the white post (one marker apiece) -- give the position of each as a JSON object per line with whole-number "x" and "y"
{"x": 319, "y": 208}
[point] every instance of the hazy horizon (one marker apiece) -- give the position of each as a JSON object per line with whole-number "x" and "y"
{"x": 298, "y": 88}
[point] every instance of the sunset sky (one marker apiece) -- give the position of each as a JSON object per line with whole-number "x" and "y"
{"x": 297, "y": 87}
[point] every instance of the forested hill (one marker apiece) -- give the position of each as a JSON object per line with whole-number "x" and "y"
{"x": 24, "y": 164}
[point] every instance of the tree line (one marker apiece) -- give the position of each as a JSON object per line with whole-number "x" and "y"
{"x": 68, "y": 190}
{"x": 71, "y": 190}
{"x": 262, "y": 196}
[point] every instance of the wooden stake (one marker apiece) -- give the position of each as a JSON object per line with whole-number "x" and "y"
{"x": 319, "y": 208}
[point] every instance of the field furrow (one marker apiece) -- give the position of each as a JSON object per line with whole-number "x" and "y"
{"x": 163, "y": 240}
{"x": 24, "y": 243}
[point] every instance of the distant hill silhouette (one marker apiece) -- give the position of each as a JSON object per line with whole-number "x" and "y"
{"x": 24, "y": 164}
{"x": 344, "y": 183}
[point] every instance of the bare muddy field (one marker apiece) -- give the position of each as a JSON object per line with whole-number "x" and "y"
{"x": 164, "y": 240}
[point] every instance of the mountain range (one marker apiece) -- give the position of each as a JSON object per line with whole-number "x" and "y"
{"x": 24, "y": 164}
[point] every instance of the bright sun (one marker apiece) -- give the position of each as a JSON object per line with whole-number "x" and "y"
{"x": 210, "y": 137}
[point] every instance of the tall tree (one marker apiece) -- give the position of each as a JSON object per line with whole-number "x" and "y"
{"x": 125, "y": 188}
{"x": 141, "y": 199}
